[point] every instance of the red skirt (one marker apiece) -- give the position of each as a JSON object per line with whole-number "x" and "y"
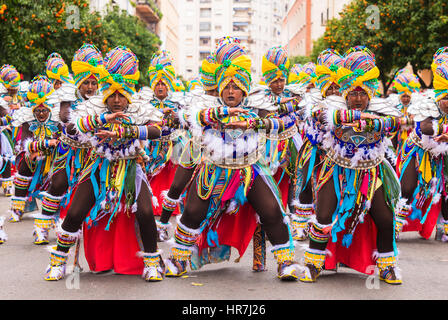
{"x": 162, "y": 182}
{"x": 115, "y": 249}
{"x": 359, "y": 255}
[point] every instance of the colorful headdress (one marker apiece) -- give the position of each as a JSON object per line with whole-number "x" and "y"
{"x": 39, "y": 90}
{"x": 57, "y": 69}
{"x": 440, "y": 55}
{"x": 359, "y": 70}
{"x": 178, "y": 85}
{"x": 275, "y": 65}
{"x": 440, "y": 81}
{"x": 9, "y": 76}
{"x": 120, "y": 73}
{"x": 328, "y": 63}
{"x": 406, "y": 83}
{"x": 87, "y": 62}
{"x": 234, "y": 65}
{"x": 193, "y": 84}
{"x": 303, "y": 74}
{"x": 208, "y": 73}
{"x": 161, "y": 69}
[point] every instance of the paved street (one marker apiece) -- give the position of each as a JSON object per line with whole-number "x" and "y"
{"x": 424, "y": 266}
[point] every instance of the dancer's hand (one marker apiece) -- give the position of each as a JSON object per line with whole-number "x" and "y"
{"x": 365, "y": 116}
{"x": 441, "y": 138}
{"x": 53, "y": 142}
{"x": 236, "y": 125}
{"x": 105, "y": 135}
{"x": 237, "y": 111}
{"x": 116, "y": 117}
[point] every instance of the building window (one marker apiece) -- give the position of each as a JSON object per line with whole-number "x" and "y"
{"x": 204, "y": 41}
{"x": 205, "y": 26}
{"x": 205, "y": 12}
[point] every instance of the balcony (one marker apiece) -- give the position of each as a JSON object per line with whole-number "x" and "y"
{"x": 148, "y": 11}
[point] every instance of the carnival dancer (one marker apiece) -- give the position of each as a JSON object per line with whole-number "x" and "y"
{"x": 357, "y": 190}
{"x": 112, "y": 191}
{"x": 71, "y": 153}
{"x": 231, "y": 174}
{"x": 311, "y": 154}
{"x": 191, "y": 155}
{"x": 406, "y": 84}
{"x": 281, "y": 151}
{"x": 57, "y": 70}
{"x": 422, "y": 160}
{"x": 40, "y": 123}
{"x": 303, "y": 74}
{"x": 10, "y": 100}
{"x": 165, "y": 151}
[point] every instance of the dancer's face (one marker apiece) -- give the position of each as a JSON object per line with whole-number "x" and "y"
{"x": 358, "y": 100}
{"x": 57, "y": 84}
{"x": 117, "y": 102}
{"x": 213, "y": 92}
{"x": 41, "y": 113}
{"x": 405, "y": 99}
{"x": 161, "y": 90}
{"x": 12, "y": 91}
{"x": 88, "y": 88}
{"x": 278, "y": 86}
{"x": 443, "y": 104}
{"x": 232, "y": 95}
{"x": 333, "y": 90}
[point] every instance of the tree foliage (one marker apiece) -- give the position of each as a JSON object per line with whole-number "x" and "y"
{"x": 31, "y": 30}
{"x": 397, "y": 31}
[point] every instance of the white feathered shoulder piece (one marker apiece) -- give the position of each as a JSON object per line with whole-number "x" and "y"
{"x": 297, "y": 89}
{"x": 3, "y": 89}
{"x": 384, "y": 107}
{"x": 423, "y": 106}
{"x": 309, "y": 101}
{"x": 331, "y": 102}
{"x": 140, "y": 111}
{"x": 145, "y": 93}
{"x": 66, "y": 93}
{"x": 25, "y": 114}
{"x": 258, "y": 99}
{"x": 393, "y": 99}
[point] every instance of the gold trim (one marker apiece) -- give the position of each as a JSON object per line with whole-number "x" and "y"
{"x": 73, "y": 143}
{"x": 346, "y": 162}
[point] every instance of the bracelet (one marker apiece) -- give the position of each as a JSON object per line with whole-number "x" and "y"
{"x": 103, "y": 120}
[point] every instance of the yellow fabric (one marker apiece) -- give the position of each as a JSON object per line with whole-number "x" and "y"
{"x": 404, "y": 89}
{"x": 242, "y": 62}
{"x": 156, "y": 75}
{"x": 359, "y": 81}
{"x": 268, "y": 66}
{"x": 34, "y": 97}
{"x": 81, "y": 66}
{"x": 62, "y": 72}
{"x": 115, "y": 86}
{"x": 425, "y": 167}
{"x": 209, "y": 67}
{"x": 332, "y": 77}
{"x": 13, "y": 83}
{"x": 369, "y": 75}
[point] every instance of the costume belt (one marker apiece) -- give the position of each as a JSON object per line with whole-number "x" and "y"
{"x": 286, "y": 134}
{"x": 74, "y": 143}
{"x": 347, "y": 163}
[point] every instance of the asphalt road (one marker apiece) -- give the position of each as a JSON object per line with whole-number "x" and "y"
{"x": 423, "y": 263}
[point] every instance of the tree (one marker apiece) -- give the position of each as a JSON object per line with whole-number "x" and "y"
{"x": 398, "y": 32}
{"x": 31, "y": 30}
{"x": 122, "y": 29}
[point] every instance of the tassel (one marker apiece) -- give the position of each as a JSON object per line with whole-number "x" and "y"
{"x": 347, "y": 240}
